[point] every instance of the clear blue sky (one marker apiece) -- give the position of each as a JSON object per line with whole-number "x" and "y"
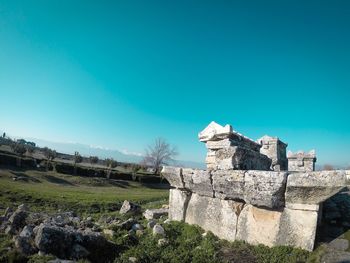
{"x": 119, "y": 73}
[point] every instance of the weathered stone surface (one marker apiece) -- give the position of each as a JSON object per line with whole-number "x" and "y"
{"x": 178, "y": 202}
{"x": 258, "y": 226}
{"x": 215, "y": 145}
{"x": 339, "y": 244}
{"x": 130, "y": 208}
{"x": 155, "y": 213}
{"x": 229, "y": 184}
{"x": 27, "y": 231}
{"x": 215, "y": 131}
{"x": 306, "y": 207}
{"x": 314, "y": 187}
{"x": 335, "y": 256}
{"x": 18, "y": 219}
{"x": 198, "y": 181}
{"x": 158, "y": 230}
{"x": 151, "y": 223}
{"x": 78, "y": 251}
{"x": 275, "y": 149}
{"x": 266, "y": 189}
{"x": 54, "y": 240}
{"x": 260, "y": 188}
{"x": 173, "y": 176}
{"x": 25, "y": 246}
{"x": 127, "y": 225}
{"x": 301, "y": 162}
{"x": 238, "y": 158}
{"x": 298, "y": 228}
{"x": 215, "y": 215}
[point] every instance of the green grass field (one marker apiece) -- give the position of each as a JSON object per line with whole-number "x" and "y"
{"x": 51, "y": 191}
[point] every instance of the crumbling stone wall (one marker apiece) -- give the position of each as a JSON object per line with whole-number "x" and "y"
{"x": 246, "y": 194}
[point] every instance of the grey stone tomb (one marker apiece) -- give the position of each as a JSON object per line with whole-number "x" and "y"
{"x": 247, "y": 193}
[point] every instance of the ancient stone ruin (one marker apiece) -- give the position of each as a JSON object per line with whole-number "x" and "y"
{"x": 252, "y": 191}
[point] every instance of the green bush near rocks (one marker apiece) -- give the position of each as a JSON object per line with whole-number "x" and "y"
{"x": 187, "y": 243}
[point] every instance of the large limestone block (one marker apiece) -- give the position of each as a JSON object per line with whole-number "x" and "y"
{"x": 215, "y": 145}
{"x": 173, "y": 176}
{"x": 258, "y": 226}
{"x": 215, "y": 215}
{"x": 298, "y": 228}
{"x": 198, "y": 181}
{"x": 314, "y": 187}
{"x": 178, "y": 202}
{"x": 265, "y": 188}
{"x": 239, "y": 158}
{"x": 228, "y": 184}
{"x": 259, "y": 188}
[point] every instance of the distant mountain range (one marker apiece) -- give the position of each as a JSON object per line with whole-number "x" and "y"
{"x": 87, "y": 150}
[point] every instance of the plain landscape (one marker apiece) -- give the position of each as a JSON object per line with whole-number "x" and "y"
{"x": 174, "y": 131}
{"x": 35, "y": 195}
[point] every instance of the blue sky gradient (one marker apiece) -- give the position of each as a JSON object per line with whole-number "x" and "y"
{"x": 119, "y": 73}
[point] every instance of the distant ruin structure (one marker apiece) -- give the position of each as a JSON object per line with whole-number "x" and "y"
{"x": 301, "y": 161}
{"x": 252, "y": 191}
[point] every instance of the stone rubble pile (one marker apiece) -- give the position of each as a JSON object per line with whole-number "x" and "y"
{"x": 64, "y": 235}
{"x": 68, "y": 237}
{"x": 248, "y": 194}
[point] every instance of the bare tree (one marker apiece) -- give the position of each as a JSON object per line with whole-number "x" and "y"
{"x": 328, "y": 167}
{"x": 76, "y": 159}
{"x": 20, "y": 150}
{"x": 93, "y": 160}
{"x": 158, "y": 154}
{"x": 50, "y": 156}
{"x": 110, "y": 163}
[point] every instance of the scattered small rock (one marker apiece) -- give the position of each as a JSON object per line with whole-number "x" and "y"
{"x": 158, "y": 230}
{"x": 130, "y": 208}
{"x": 24, "y": 245}
{"x": 127, "y": 225}
{"x": 27, "y": 231}
{"x": 155, "y": 213}
{"x": 162, "y": 242}
{"x": 151, "y": 223}
{"x": 139, "y": 233}
{"x": 108, "y": 232}
{"x": 136, "y": 227}
{"x": 8, "y": 212}
{"x": 18, "y": 218}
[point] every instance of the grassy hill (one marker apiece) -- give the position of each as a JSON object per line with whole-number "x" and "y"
{"x": 51, "y": 191}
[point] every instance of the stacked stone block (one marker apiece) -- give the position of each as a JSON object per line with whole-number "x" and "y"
{"x": 276, "y": 150}
{"x": 228, "y": 149}
{"x": 301, "y": 162}
{"x": 259, "y": 207}
{"x": 247, "y": 194}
